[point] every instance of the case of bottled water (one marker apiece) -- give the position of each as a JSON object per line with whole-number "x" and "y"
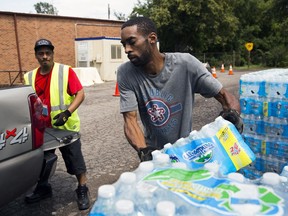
{"x": 169, "y": 190}
{"x": 264, "y": 109}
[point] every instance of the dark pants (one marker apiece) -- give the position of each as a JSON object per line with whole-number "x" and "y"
{"x": 72, "y": 156}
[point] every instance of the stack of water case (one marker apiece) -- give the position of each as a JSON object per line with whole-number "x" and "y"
{"x": 264, "y": 109}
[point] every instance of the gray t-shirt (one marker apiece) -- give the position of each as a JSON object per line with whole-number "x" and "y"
{"x": 165, "y": 102}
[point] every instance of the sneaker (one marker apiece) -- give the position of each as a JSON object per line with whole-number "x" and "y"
{"x": 83, "y": 200}
{"x": 40, "y": 192}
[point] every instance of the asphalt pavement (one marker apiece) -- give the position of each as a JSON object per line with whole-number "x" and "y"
{"x": 105, "y": 149}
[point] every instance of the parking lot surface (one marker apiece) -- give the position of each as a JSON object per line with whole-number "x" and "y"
{"x": 106, "y": 151}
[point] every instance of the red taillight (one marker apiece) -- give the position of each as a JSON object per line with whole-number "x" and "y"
{"x": 37, "y": 121}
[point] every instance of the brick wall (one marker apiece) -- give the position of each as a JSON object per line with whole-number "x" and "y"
{"x": 62, "y": 31}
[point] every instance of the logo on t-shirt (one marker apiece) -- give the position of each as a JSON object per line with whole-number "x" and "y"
{"x": 159, "y": 112}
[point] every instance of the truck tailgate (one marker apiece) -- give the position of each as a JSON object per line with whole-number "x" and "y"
{"x": 55, "y": 138}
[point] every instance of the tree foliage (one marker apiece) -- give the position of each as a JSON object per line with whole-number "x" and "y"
{"x": 199, "y": 26}
{"x": 45, "y": 8}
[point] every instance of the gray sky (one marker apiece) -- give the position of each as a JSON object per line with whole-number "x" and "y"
{"x": 76, "y": 8}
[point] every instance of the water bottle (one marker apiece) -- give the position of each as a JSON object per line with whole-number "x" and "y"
{"x": 180, "y": 142}
{"x": 259, "y": 162}
{"x": 194, "y": 135}
{"x": 280, "y": 108}
{"x": 125, "y": 186}
{"x": 155, "y": 153}
{"x": 276, "y": 88}
{"x": 284, "y": 173}
{"x": 249, "y": 126}
{"x": 254, "y": 142}
{"x": 145, "y": 201}
{"x": 250, "y": 85}
{"x": 259, "y": 124}
{"x": 277, "y": 182}
{"x": 180, "y": 165}
{"x": 272, "y": 179}
{"x": 272, "y": 164}
{"x": 238, "y": 177}
{"x": 252, "y": 174}
{"x": 213, "y": 167}
{"x": 104, "y": 206}
{"x": 162, "y": 161}
{"x": 244, "y": 105}
{"x": 144, "y": 168}
{"x": 182, "y": 207}
{"x": 125, "y": 207}
{"x": 165, "y": 208}
{"x": 209, "y": 130}
{"x": 282, "y": 163}
{"x": 166, "y": 146}
{"x": 274, "y": 126}
{"x": 246, "y": 202}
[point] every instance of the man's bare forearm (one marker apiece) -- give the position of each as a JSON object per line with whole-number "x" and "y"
{"x": 133, "y": 132}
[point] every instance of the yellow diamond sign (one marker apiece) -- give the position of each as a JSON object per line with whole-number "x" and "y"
{"x": 249, "y": 46}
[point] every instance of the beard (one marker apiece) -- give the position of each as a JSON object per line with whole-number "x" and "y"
{"x": 46, "y": 66}
{"x": 144, "y": 58}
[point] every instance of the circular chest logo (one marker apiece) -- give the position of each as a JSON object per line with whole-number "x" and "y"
{"x": 158, "y": 112}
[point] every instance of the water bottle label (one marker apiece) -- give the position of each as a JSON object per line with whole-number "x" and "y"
{"x": 251, "y": 88}
{"x": 254, "y": 143}
{"x": 279, "y": 109}
{"x": 252, "y": 126}
{"x": 200, "y": 188}
{"x": 273, "y": 148}
{"x": 226, "y": 146}
{"x": 275, "y": 90}
{"x": 273, "y": 129}
{"x": 251, "y": 106}
{"x": 283, "y": 147}
{"x": 249, "y": 126}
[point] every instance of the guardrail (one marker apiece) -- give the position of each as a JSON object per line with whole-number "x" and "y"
{"x": 11, "y": 79}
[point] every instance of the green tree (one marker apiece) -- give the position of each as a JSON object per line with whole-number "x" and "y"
{"x": 193, "y": 26}
{"x": 45, "y": 8}
{"x": 221, "y": 27}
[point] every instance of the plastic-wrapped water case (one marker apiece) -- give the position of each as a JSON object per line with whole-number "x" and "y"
{"x": 218, "y": 142}
{"x": 264, "y": 109}
{"x": 181, "y": 191}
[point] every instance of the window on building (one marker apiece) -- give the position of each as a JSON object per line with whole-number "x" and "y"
{"x": 116, "y": 51}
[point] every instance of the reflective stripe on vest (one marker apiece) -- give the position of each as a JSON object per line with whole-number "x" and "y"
{"x": 28, "y": 77}
{"x": 59, "y": 98}
{"x": 59, "y": 82}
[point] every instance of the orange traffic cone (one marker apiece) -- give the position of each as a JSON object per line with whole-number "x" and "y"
{"x": 117, "y": 93}
{"x": 222, "y": 68}
{"x": 230, "y": 70}
{"x": 214, "y": 72}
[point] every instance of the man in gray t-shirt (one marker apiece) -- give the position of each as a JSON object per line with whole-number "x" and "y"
{"x": 161, "y": 87}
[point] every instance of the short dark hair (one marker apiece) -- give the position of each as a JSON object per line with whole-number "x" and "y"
{"x": 144, "y": 25}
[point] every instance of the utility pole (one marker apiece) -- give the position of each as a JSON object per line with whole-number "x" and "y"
{"x": 108, "y": 11}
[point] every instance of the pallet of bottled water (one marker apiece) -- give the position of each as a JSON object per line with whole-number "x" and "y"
{"x": 162, "y": 188}
{"x": 264, "y": 109}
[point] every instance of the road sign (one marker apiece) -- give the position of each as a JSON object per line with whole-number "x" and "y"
{"x": 249, "y": 46}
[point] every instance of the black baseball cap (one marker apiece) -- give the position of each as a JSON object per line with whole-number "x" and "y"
{"x": 43, "y": 42}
